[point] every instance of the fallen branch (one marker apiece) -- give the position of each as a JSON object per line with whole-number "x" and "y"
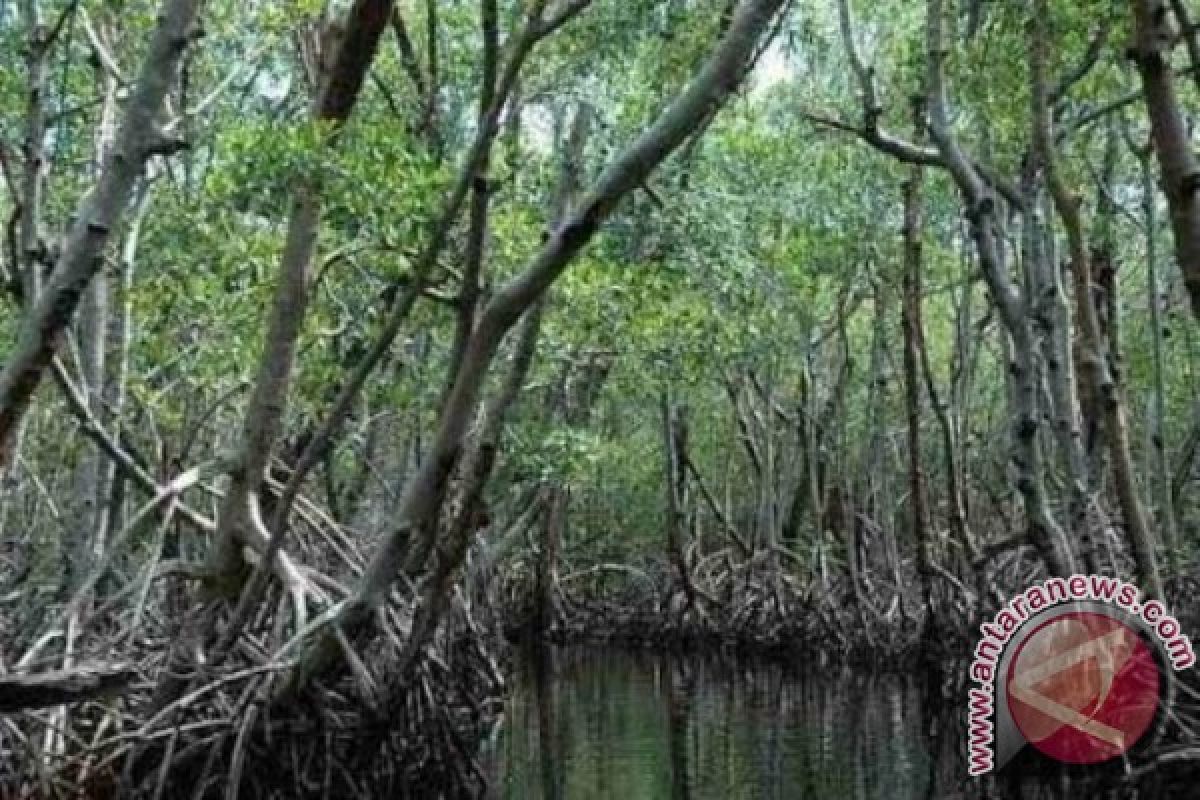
{"x": 45, "y": 689}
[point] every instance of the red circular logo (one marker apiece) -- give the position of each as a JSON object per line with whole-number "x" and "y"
{"x": 1083, "y": 687}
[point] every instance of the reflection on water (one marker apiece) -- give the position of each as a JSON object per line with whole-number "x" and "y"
{"x": 599, "y": 725}
{"x": 595, "y": 724}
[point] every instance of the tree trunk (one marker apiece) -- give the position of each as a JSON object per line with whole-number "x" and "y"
{"x": 1095, "y": 366}
{"x": 471, "y": 517}
{"x": 477, "y": 227}
{"x": 675, "y": 445}
{"x": 423, "y": 495}
{"x": 1052, "y": 318}
{"x": 1158, "y": 407}
{"x": 342, "y": 77}
{"x": 91, "y": 336}
{"x": 113, "y": 480}
{"x": 97, "y": 215}
{"x": 572, "y": 406}
{"x": 31, "y": 249}
{"x": 1153, "y": 41}
{"x": 1043, "y": 530}
{"x": 911, "y": 317}
{"x": 41, "y": 690}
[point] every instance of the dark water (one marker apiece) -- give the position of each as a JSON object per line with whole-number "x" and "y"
{"x": 596, "y": 724}
{"x": 613, "y": 725}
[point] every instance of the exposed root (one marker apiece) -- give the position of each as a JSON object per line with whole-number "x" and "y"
{"x": 207, "y": 720}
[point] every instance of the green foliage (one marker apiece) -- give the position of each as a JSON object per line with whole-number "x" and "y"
{"x": 764, "y": 247}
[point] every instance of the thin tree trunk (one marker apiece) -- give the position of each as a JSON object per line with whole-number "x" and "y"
{"x": 554, "y": 524}
{"x": 1053, "y": 320}
{"x": 477, "y": 228}
{"x": 574, "y": 410}
{"x": 1153, "y": 41}
{"x": 31, "y": 248}
{"x": 119, "y": 337}
{"x": 675, "y": 445}
{"x": 911, "y": 318}
{"x": 342, "y": 77}
{"x": 1095, "y": 366}
{"x": 89, "y": 504}
{"x": 1044, "y": 531}
{"x": 878, "y": 475}
{"x": 98, "y": 213}
{"x": 239, "y": 523}
{"x": 476, "y": 469}
{"x": 403, "y": 301}
{"x": 949, "y": 417}
{"x": 429, "y": 123}
{"x": 1158, "y": 408}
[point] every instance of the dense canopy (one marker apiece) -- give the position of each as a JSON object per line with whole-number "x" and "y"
{"x": 340, "y": 337}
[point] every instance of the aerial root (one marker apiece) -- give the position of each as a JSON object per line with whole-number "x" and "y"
{"x": 224, "y": 730}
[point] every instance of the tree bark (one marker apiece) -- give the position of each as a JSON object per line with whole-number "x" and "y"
{"x": 1044, "y": 532}
{"x": 675, "y": 437}
{"x": 1052, "y": 320}
{"x": 1158, "y": 410}
{"x": 913, "y": 335}
{"x": 476, "y": 469}
{"x": 477, "y": 226}
{"x": 1153, "y": 41}
{"x": 90, "y": 500}
{"x": 98, "y": 213}
{"x": 406, "y": 295}
{"x": 573, "y": 409}
{"x": 341, "y": 82}
{"x": 45, "y": 689}
{"x": 1095, "y": 366}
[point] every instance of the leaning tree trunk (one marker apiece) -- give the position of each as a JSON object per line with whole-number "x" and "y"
{"x": 476, "y": 468}
{"x": 423, "y": 495}
{"x": 97, "y": 215}
{"x": 470, "y": 179}
{"x": 342, "y": 76}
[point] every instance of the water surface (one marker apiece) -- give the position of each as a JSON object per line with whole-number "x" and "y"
{"x": 597, "y": 724}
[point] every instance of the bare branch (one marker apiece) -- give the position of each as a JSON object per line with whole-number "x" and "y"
{"x": 100, "y": 49}
{"x": 408, "y": 54}
{"x": 1090, "y": 57}
{"x": 561, "y": 16}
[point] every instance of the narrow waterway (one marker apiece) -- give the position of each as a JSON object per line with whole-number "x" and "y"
{"x": 600, "y": 724}
{"x": 595, "y": 724}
